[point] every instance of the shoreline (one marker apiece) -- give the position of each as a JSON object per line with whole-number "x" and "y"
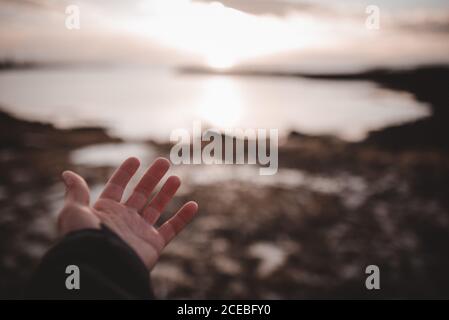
{"x": 427, "y": 84}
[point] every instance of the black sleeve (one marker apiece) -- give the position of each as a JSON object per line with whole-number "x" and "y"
{"x": 108, "y": 269}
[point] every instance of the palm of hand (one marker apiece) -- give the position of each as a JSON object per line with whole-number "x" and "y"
{"x": 134, "y": 219}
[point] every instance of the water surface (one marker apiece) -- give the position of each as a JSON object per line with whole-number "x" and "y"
{"x": 151, "y": 102}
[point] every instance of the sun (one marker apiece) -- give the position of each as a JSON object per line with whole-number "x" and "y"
{"x": 220, "y": 62}
{"x": 224, "y": 37}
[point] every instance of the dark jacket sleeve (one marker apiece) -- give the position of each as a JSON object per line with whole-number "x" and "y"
{"x": 108, "y": 269}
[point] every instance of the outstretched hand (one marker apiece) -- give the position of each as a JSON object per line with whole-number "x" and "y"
{"x": 132, "y": 220}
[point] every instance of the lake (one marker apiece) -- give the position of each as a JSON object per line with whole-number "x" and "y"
{"x": 149, "y": 102}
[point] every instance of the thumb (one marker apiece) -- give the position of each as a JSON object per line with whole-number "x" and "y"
{"x": 76, "y": 188}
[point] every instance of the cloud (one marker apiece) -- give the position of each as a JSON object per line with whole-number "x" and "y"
{"x": 231, "y": 31}
{"x": 269, "y": 7}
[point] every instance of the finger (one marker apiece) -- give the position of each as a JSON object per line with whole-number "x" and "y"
{"x": 176, "y": 223}
{"x": 146, "y": 185}
{"x": 77, "y": 190}
{"x": 119, "y": 180}
{"x": 162, "y": 198}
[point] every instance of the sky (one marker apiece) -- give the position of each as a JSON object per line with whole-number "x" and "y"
{"x": 289, "y": 34}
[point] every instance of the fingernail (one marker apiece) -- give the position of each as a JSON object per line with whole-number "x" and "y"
{"x": 66, "y": 178}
